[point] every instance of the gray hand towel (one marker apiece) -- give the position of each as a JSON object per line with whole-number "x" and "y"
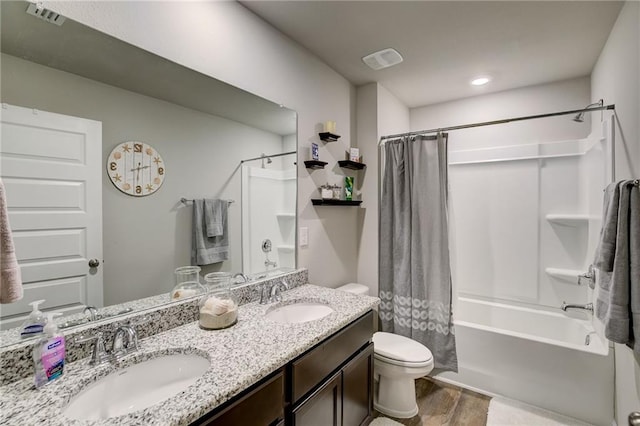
{"x": 634, "y": 266}
{"x": 214, "y": 211}
{"x": 618, "y": 261}
{"x": 607, "y": 245}
{"x": 206, "y": 250}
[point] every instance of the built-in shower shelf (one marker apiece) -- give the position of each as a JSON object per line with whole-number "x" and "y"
{"x": 286, "y": 215}
{"x": 569, "y": 275}
{"x": 568, "y": 219}
{"x": 286, "y": 248}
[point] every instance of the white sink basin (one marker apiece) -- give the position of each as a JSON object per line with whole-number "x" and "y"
{"x": 137, "y": 387}
{"x": 297, "y": 312}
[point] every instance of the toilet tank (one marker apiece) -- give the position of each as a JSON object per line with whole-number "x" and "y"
{"x": 355, "y": 288}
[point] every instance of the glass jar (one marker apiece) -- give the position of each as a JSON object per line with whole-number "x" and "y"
{"x": 187, "y": 283}
{"x": 337, "y": 192}
{"x": 326, "y": 192}
{"x": 218, "y": 307}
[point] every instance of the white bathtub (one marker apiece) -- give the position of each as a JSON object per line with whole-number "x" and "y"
{"x": 534, "y": 356}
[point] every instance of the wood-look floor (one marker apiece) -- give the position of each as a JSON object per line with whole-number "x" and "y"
{"x": 444, "y": 404}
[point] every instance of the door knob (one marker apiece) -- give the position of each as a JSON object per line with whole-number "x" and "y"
{"x": 94, "y": 263}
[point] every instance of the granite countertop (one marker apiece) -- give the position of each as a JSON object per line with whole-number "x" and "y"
{"x": 240, "y": 356}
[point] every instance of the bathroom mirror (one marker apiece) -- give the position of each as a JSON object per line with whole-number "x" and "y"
{"x": 216, "y": 141}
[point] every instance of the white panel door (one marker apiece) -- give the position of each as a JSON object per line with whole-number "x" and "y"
{"x": 51, "y": 168}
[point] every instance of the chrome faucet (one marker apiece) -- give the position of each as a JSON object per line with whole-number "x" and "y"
{"x": 278, "y": 288}
{"x": 245, "y": 278}
{"x": 93, "y": 312}
{"x": 270, "y": 292}
{"x": 125, "y": 341}
{"x": 268, "y": 263}
{"x": 99, "y": 354}
{"x": 586, "y": 307}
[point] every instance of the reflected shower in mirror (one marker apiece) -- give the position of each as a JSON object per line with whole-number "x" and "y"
{"x": 268, "y": 212}
{"x": 201, "y": 129}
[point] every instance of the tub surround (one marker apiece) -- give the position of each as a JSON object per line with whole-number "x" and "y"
{"x": 16, "y": 362}
{"x": 240, "y": 356}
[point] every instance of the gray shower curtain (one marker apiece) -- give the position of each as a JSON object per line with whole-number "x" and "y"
{"x": 415, "y": 275}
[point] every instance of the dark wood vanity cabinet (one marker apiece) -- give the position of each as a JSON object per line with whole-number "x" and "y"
{"x": 323, "y": 407}
{"x": 262, "y": 404}
{"x": 329, "y": 385}
{"x": 344, "y": 399}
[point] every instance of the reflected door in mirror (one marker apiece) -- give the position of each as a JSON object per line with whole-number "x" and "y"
{"x": 51, "y": 168}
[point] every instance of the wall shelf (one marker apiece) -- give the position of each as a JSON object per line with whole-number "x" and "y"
{"x": 569, "y": 275}
{"x": 315, "y": 164}
{"x": 328, "y": 137}
{"x": 568, "y": 219}
{"x": 353, "y": 165}
{"x": 329, "y": 202}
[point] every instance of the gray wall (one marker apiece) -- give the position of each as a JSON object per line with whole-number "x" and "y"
{"x": 145, "y": 238}
{"x": 228, "y": 42}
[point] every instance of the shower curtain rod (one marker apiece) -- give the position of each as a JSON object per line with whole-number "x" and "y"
{"x": 489, "y": 123}
{"x": 269, "y": 156}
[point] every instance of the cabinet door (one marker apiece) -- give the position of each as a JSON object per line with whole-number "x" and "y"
{"x": 357, "y": 389}
{"x": 311, "y": 368}
{"x": 261, "y": 406}
{"x": 323, "y": 407}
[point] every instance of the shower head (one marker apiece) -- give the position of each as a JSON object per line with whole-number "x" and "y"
{"x": 579, "y": 118}
{"x": 264, "y": 157}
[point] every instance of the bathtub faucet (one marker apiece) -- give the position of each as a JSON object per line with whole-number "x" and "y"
{"x": 587, "y": 307}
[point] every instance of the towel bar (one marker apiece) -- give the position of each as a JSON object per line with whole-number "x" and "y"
{"x": 636, "y": 182}
{"x": 187, "y": 201}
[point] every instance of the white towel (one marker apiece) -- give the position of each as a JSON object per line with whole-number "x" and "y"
{"x": 618, "y": 261}
{"x": 10, "y": 278}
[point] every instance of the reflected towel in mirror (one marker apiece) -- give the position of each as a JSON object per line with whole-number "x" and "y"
{"x": 10, "y": 277}
{"x": 206, "y": 250}
{"x": 213, "y": 216}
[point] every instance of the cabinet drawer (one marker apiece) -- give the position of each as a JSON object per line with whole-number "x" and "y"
{"x": 262, "y": 405}
{"x": 314, "y": 366}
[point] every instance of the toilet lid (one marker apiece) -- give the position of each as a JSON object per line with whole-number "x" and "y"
{"x": 400, "y": 348}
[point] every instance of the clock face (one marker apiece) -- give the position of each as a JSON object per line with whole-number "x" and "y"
{"x": 136, "y": 168}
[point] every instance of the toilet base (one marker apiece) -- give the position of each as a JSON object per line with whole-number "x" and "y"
{"x": 396, "y": 397}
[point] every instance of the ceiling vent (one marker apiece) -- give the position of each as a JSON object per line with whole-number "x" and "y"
{"x": 50, "y": 16}
{"x": 383, "y": 59}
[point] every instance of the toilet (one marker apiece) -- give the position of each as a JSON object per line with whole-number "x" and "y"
{"x": 397, "y": 362}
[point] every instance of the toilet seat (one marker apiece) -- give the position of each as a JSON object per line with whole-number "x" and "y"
{"x": 403, "y": 363}
{"x": 399, "y": 350}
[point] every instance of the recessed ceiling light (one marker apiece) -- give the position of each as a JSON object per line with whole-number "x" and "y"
{"x": 383, "y": 59}
{"x": 480, "y": 81}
